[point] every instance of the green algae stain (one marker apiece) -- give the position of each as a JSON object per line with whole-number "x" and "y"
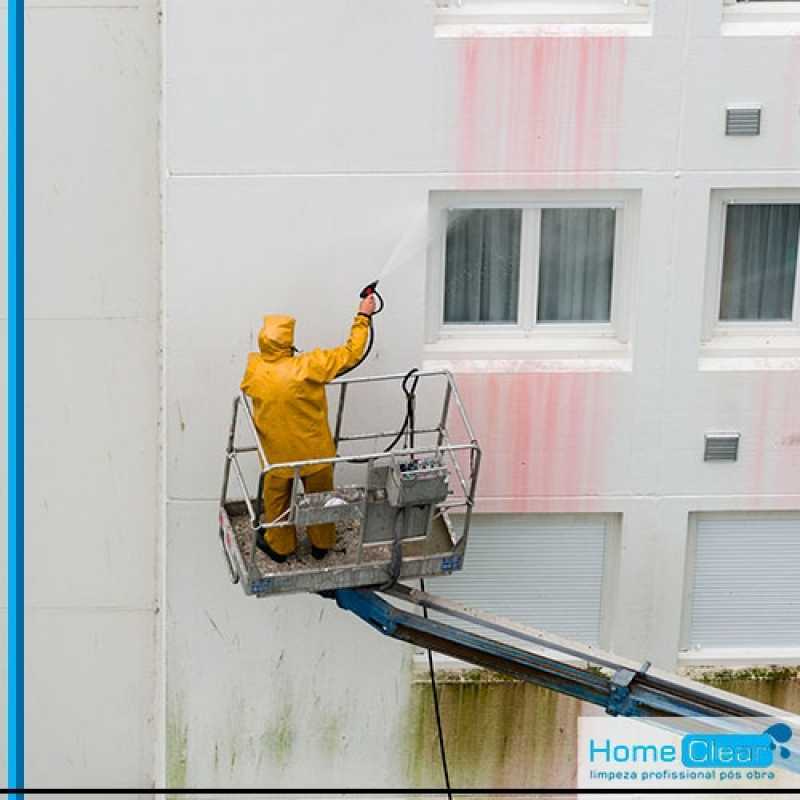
{"x": 497, "y": 733}
{"x": 775, "y": 686}
{"x": 278, "y": 738}
{"x": 777, "y": 693}
{"x": 503, "y": 732}
{"x": 332, "y": 735}
{"x": 177, "y": 747}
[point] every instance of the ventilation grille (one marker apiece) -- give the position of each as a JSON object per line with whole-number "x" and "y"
{"x": 721, "y": 447}
{"x": 743, "y": 121}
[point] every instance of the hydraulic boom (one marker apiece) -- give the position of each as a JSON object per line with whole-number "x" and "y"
{"x": 620, "y": 686}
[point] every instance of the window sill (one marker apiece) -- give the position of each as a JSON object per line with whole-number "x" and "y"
{"x": 747, "y": 352}
{"x": 552, "y": 353}
{"x": 475, "y": 29}
{"x": 786, "y": 25}
{"x": 762, "y": 19}
{"x": 739, "y": 656}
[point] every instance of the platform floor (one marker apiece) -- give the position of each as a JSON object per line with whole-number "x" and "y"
{"x": 344, "y": 553}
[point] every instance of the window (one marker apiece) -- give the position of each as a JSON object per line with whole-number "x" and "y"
{"x": 752, "y": 305}
{"x": 759, "y": 261}
{"x": 518, "y": 270}
{"x": 744, "y": 579}
{"x": 542, "y": 570}
{"x": 482, "y": 265}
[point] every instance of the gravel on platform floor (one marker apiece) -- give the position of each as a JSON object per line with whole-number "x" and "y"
{"x": 344, "y": 552}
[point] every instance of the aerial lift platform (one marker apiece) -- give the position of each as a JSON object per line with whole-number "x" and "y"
{"x": 406, "y": 516}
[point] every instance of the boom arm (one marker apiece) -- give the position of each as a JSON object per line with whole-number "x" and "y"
{"x": 620, "y": 686}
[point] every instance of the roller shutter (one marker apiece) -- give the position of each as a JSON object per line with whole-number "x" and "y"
{"x": 540, "y": 570}
{"x": 746, "y": 587}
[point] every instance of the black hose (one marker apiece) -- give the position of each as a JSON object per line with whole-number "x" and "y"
{"x": 408, "y": 422}
{"x": 370, "y": 340}
{"x": 440, "y": 731}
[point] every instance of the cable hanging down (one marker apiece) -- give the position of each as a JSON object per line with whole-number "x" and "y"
{"x": 437, "y": 711}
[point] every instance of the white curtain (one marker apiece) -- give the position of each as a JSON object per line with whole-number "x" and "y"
{"x": 482, "y": 265}
{"x": 760, "y": 261}
{"x": 576, "y": 264}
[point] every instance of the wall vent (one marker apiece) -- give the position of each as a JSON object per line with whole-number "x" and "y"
{"x": 743, "y": 121}
{"x": 721, "y": 447}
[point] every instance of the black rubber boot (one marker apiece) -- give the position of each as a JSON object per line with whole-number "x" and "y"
{"x": 261, "y": 544}
{"x": 319, "y": 552}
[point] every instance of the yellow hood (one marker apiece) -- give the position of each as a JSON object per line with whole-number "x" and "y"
{"x": 277, "y": 336}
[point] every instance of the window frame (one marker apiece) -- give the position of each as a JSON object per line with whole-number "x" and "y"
{"x": 714, "y": 328}
{"x": 764, "y": 18}
{"x": 528, "y": 330}
{"x": 534, "y": 12}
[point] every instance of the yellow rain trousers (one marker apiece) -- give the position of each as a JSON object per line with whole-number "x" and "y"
{"x": 291, "y": 415}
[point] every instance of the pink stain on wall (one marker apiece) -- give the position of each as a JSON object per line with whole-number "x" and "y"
{"x": 775, "y": 445}
{"x": 470, "y": 121}
{"x": 544, "y": 436}
{"x": 791, "y": 101}
{"x": 528, "y": 107}
{"x": 531, "y": 105}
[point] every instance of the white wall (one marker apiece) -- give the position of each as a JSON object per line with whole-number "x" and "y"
{"x": 92, "y": 392}
{"x": 302, "y": 140}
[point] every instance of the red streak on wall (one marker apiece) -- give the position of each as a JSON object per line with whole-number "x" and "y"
{"x": 470, "y": 123}
{"x": 544, "y": 435}
{"x": 792, "y": 91}
{"x": 529, "y": 107}
{"x": 774, "y": 448}
{"x": 534, "y": 105}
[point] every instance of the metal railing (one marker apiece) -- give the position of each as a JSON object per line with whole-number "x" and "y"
{"x": 442, "y": 448}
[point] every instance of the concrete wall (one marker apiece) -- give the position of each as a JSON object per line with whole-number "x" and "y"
{"x": 92, "y": 392}
{"x": 302, "y": 140}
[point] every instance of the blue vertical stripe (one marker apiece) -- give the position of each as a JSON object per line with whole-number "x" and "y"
{"x": 16, "y": 442}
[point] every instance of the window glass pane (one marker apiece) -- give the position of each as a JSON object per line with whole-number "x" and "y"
{"x": 576, "y": 264}
{"x": 482, "y": 265}
{"x": 760, "y": 261}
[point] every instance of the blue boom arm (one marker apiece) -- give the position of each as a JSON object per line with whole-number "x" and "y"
{"x": 619, "y": 686}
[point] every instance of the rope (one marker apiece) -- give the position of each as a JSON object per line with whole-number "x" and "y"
{"x": 442, "y": 751}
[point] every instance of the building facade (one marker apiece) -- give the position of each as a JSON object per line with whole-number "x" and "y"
{"x": 564, "y": 211}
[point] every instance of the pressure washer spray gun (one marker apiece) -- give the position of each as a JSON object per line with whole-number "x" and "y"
{"x": 367, "y": 291}
{"x": 370, "y": 289}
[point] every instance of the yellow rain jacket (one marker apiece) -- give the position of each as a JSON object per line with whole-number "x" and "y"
{"x": 288, "y": 391}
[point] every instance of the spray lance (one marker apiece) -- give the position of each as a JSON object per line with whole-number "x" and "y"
{"x": 410, "y": 381}
{"x": 369, "y": 290}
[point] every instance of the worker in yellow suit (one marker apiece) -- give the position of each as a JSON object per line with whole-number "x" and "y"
{"x": 291, "y": 415}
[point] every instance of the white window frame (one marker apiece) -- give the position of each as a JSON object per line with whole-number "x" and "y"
{"x": 527, "y": 331}
{"x": 773, "y": 17}
{"x": 728, "y": 656}
{"x": 769, "y": 9}
{"x": 759, "y": 334}
{"x": 532, "y": 12}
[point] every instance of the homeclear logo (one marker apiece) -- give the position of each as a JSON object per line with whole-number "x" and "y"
{"x": 736, "y": 749}
{"x": 704, "y": 750}
{"x": 623, "y": 752}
